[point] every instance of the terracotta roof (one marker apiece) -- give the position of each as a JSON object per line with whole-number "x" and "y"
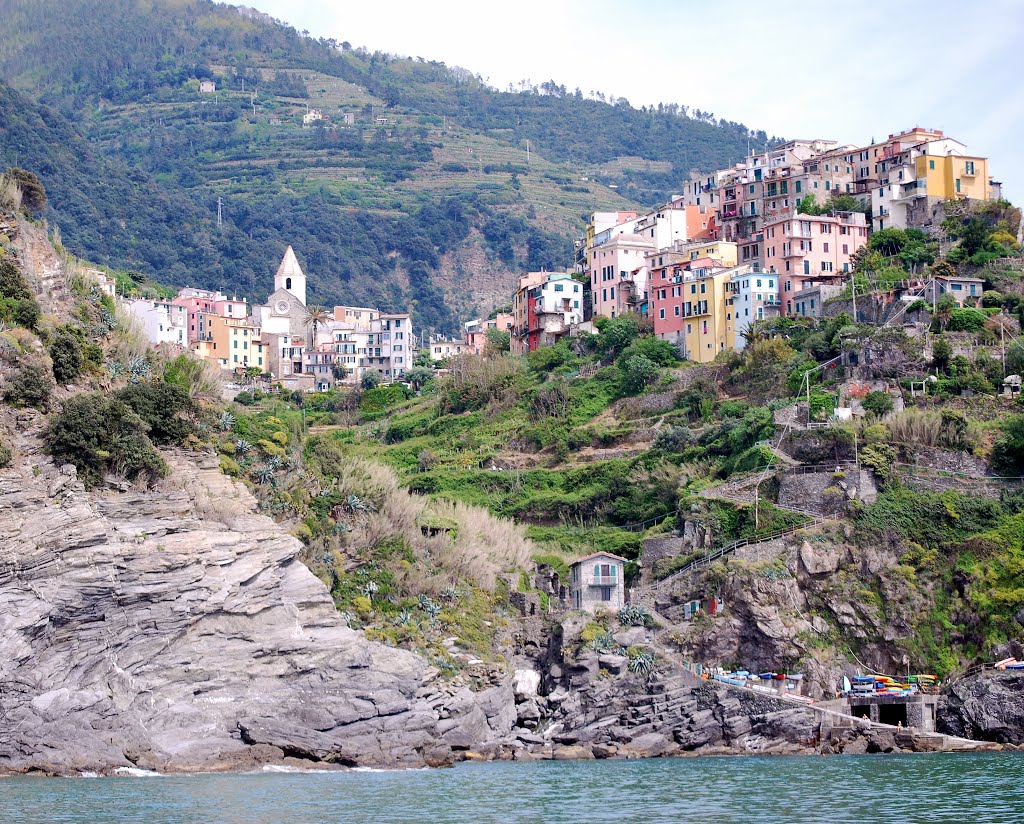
{"x": 598, "y": 555}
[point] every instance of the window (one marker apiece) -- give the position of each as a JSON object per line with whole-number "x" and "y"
{"x": 958, "y": 185}
{"x": 807, "y": 267}
{"x": 931, "y": 164}
{"x": 826, "y": 248}
{"x": 969, "y": 167}
{"x": 559, "y": 287}
{"x": 606, "y": 593}
{"x": 661, "y": 314}
{"x": 799, "y": 187}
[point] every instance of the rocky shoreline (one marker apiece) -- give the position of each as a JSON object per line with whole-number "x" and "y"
{"x": 175, "y": 631}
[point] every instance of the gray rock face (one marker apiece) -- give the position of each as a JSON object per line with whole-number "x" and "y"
{"x": 988, "y": 708}
{"x": 175, "y": 630}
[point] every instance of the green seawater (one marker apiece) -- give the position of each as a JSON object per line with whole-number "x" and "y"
{"x": 902, "y": 789}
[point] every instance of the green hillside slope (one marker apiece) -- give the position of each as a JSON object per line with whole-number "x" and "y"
{"x": 416, "y": 182}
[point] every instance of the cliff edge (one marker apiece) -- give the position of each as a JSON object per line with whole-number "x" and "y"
{"x": 174, "y": 629}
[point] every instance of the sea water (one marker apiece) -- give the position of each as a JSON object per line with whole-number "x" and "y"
{"x": 930, "y": 789}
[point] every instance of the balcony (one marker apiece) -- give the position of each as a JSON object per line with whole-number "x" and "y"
{"x": 603, "y": 581}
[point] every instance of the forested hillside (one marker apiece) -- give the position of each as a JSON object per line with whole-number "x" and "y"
{"x": 416, "y": 177}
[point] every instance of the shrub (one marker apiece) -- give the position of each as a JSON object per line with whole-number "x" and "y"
{"x": 370, "y": 380}
{"x": 1008, "y": 451}
{"x": 474, "y": 383}
{"x": 967, "y": 320}
{"x": 655, "y": 349}
{"x": 12, "y": 283}
{"x": 162, "y": 406}
{"x": 99, "y": 434}
{"x": 66, "y": 354}
{"x": 878, "y": 403}
{"x": 33, "y": 194}
{"x": 26, "y": 313}
{"x": 637, "y": 371}
{"x": 879, "y": 457}
{"x": 618, "y": 333}
{"x": 5, "y": 456}
{"x": 31, "y": 386}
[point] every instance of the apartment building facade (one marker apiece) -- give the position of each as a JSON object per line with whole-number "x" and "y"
{"x": 802, "y": 249}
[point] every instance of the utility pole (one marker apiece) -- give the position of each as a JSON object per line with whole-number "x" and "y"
{"x": 527, "y": 152}
{"x": 220, "y": 212}
{"x": 853, "y": 281}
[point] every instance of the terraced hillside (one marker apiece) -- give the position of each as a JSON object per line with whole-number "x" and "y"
{"x": 358, "y": 193}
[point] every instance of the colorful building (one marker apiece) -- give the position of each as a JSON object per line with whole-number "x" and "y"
{"x": 804, "y": 249}
{"x": 203, "y": 301}
{"x": 163, "y": 321}
{"x": 620, "y": 258}
{"x": 231, "y": 343}
{"x": 546, "y": 307}
{"x": 755, "y": 296}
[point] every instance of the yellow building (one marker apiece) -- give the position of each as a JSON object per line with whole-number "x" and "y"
{"x": 707, "y": 313}
{"x": 953, "y": 176}
{"x": 723, "y": 251}
{"x": 231, "y": 343}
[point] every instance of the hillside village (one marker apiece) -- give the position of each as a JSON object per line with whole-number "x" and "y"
{"x": 749, "y": 438}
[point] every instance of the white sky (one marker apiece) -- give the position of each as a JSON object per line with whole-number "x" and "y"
{"x": 795, "y": 68}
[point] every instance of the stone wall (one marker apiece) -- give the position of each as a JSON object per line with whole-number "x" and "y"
{"x": 948, "y": 460}
{"x": 990, "y": 489}
{"x": 823, "y": 492}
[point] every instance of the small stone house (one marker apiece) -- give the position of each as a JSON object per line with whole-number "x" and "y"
{"x": 207, "y": 87}
{"x": 597, "y": 582}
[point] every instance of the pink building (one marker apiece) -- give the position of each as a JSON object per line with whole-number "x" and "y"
{"x": 199, "y": 302}
{"x": 476, "y": 330}
{"x": 809, "y": 249}
{"x": 617, "y": 260}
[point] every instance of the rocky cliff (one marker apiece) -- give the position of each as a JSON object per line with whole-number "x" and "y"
{"x": 174, "y": 629}
{"x": 988, "y": 707}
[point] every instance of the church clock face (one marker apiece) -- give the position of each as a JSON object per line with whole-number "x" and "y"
{"x": 281, "y": 307}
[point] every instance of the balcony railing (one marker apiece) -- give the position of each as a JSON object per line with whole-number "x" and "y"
{"x": 603, "y": 580}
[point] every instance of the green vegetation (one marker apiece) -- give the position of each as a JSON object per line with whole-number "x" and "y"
{"x": 101, "y": 434}
{"x": 963, "y": 563}
{"x": 372, "y": 208}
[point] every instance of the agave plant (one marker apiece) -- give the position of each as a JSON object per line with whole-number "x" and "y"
{"x": 273, "y": 463}
{"x": 634, "y": 615}
{"x": 370, "y": 588}
{"x": 242, "y": 446}
{"x": 641, "y": 662}
{"x": 431, "y": 607}
{"x": 139, "y": 369}
{"x": 109, "y": 320}
{"x": 263, "y": 475}
{"x": 450, "y": 592}
{"x": 227, "y": 420}
{"x": 115, "y": 368}
{"x": 357, "y": 504}
{"x": 602, "y": 643}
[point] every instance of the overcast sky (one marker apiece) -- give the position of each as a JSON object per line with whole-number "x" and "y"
{"x": 795, "y": 68}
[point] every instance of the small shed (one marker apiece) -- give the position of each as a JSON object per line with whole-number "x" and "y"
{"x": 207, "y": 87}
